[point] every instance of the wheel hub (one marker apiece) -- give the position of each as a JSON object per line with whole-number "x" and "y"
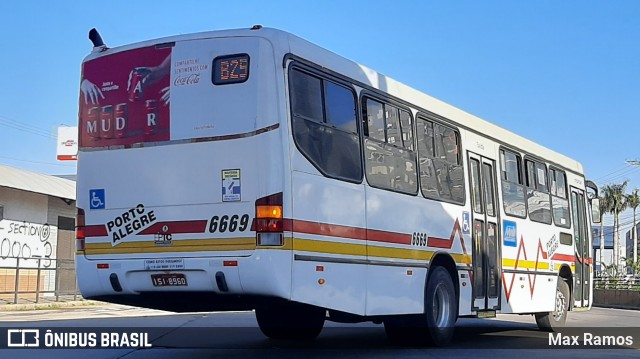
{"x": 560, "y": 305}
{"x": 441, "y": 306}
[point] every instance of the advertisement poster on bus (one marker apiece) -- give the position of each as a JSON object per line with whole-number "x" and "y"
{"x": 126, "y": 101}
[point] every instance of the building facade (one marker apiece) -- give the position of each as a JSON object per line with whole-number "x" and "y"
{"x": 37, "y": 222}
{"x": 629, "y": 244}
{"x": 604, "y": 258}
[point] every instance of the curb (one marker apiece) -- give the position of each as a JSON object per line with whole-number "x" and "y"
{"x": 49, "y": 305}
{"x": 616, "y": 306}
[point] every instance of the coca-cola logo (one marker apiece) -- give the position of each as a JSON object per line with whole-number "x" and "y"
{"x": 69, "y": 143}
{"x": 187, "y": 80}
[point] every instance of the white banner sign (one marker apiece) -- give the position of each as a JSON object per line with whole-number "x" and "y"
{"x": 67, "y": 143}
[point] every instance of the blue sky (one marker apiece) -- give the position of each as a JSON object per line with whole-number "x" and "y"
{"x": 565, "y": 74}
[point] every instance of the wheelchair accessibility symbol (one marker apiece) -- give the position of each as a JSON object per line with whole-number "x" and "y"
{"x": 466, "y": 226}
{"x": 96, "y": 199}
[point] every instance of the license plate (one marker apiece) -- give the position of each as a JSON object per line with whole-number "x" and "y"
{"x": 169, "y": 280}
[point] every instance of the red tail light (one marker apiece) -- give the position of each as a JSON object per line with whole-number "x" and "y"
{"x": 268, "y": 225}
{"x": 80, "y": 233}
{"x": 269, "y": 214}
{"x": 269, "y": 220}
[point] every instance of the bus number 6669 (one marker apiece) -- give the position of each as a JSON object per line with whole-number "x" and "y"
{"x": 231, "y": 224}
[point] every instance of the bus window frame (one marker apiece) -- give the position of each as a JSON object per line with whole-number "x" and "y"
{"x": 537, "y": 160}
{"x": 324, "y": 76}
{"x": 366, "y": 94}
{"x": 438, "y": 120}
{"x": 522, "y": 176}
{"x": 566, "y": 198}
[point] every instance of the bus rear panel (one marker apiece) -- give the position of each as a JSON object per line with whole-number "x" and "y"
{"x": 179, "y": 141}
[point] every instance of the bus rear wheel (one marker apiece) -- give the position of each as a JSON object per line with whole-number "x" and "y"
{"x": 552, "y": 321}
{"x": 435, "y": 326}
{"x": 290, "y": 320}
{"x": 441, "y": 307}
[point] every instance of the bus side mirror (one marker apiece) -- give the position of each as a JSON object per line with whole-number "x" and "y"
{"x": 595, "y": 210}
{"x": 594, "y": 201}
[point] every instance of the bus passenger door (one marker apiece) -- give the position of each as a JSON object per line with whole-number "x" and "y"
{"x": 582, "y": 284}
{"x": 485, "y": 233}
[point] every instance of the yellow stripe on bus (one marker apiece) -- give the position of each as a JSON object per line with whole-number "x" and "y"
{"x": 307, "y": 245}
{"x": 511, "y": 263}
{"x": 241, "y": 244}
{"x": 362, "y": 250}
{"x": 184, "y": 245}
{"x": 175, "y": 243}
{"x": 558, "y": 266}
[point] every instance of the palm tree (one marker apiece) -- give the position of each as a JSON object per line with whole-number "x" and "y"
{"x": 604, "y": 208}
{"x": 633, "y": 201}
{"x": 614, "y": 194}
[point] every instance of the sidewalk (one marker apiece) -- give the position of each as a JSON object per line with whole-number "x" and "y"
{"x": 47, "y": 303}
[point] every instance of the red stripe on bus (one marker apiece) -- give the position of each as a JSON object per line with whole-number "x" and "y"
{"x": 563, "y": 257}
{"x": 331, "y": 230}
{"x": 439, "y": 242}
{"x": 388, "y": 237}
{"x": 172, "y": 227}
{"x": 95, "y": 231}
{"x": 448, "y": 243}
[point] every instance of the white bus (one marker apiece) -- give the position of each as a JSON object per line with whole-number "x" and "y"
{"x": 251, "y": 169}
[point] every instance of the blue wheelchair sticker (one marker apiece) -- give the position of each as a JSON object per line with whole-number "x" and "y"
{"x": 466, "y": 223}
{"x": 510, "y": 233}
{"x": 96, "y": 199}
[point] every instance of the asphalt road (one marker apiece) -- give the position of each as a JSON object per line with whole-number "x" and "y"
{"x": 224, "y": 335}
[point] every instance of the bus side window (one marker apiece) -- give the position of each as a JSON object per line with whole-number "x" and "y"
{"x": 324, "y": 125}
{"x": 513, "y": 191}
{"x": 407, "y": 129}
{"x": 441, "y": 173}
{"x": 375, "y": 120}
{"x": 306, "y": 96}
{"x": 559, "y": 200}
{"x": 538, "y": 197}
{"x": 340, "y": 107}
{"x": 390, "y": 161}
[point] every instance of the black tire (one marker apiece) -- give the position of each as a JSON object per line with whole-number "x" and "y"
{"x": 441, "y": 307}
{"x": 290, "y": 321}
{"x": 436, "y": 325}
{"x": 553, "y": 321}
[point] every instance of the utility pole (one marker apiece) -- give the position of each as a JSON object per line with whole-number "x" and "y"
{"x": 634, "y": 235}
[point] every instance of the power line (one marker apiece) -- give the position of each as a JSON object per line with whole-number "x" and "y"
{"x": 624, "y": 167}
{"x": 37, "y": 162}
{"x": 611, "y": 178}
{"x": 16, "y": 125}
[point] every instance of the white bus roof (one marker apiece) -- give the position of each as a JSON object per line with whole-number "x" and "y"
{"x": 288, "y": 43}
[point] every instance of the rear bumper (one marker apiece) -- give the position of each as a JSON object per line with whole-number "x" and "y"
{"x": 129, "y": 281}
{"x": 185, "y": 301}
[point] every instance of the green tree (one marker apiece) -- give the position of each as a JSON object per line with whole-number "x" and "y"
{"x": 633, "y": 201}
{"x": 604, "y": 208}
{"x": 617, "y": 200}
